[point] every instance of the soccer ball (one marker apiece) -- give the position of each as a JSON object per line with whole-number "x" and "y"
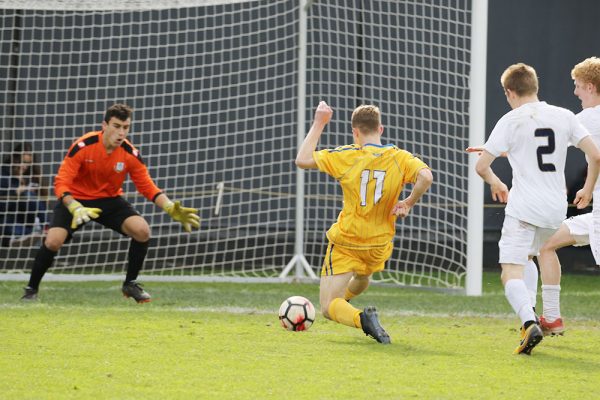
{"x": 296, "y": 313}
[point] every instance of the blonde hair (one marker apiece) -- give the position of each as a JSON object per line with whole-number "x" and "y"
{"x": 366, "y": 118}
{"x": 521, "y": 79}
{"x": 588, "y": 71}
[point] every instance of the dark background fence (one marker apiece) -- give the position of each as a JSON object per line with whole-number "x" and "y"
{"x": 552, "y": 36}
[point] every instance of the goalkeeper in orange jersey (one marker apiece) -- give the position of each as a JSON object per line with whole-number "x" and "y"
{"x": 89, "y": 186}
{"x": 360, "y": 242}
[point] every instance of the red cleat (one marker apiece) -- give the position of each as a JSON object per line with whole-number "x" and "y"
{"x": 552, "y": 328}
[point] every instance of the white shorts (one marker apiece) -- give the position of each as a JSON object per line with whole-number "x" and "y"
{"x": 585, "y": 229}
{"x": 521, "y": 240}
{"x": 580, "y": 228}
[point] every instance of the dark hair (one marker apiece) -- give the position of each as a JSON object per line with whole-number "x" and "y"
{"x": 120, "y": 111}
{"x": 33, "y": 172}
{"x": 17, "y": 151}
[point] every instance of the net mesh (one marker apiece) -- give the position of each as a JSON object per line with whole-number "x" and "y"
{"x": 411, "y": 58}
{"x": 214, "y": 88}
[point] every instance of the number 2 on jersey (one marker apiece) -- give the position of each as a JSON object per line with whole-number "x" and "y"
{"x": 379, "y": 177}
{"x": 548, "y": 149}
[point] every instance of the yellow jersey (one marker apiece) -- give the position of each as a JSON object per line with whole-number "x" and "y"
{"x": 372, "y": 177}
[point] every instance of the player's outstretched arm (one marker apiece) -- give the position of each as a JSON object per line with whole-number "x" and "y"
{"x": 424, "y": 180}
{"x": 475, "y": 149}
{"x": 584, "y": 195}
{"x": 480, "y": 149}
{"x": 498, "y": 188}
{"x": 305, "y": 159}
{"x": 188, "y": 217}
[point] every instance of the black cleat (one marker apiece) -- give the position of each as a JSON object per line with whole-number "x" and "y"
{"x": 134, "y": 289}
{"x": 30, "y": 294}
{"x": 530, "y": 338}
{"x": 372, "y": 327}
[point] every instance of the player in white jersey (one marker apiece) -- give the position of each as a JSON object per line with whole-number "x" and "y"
{"x": 583, "y": 229}
{"x": 535, "y": 137}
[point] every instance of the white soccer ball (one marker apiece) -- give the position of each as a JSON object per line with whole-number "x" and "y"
{"x": 296, "y": 313}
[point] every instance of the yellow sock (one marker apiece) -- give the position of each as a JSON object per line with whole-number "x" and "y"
{"x": 341, "y": 311}
{"x": 349, "y": 295}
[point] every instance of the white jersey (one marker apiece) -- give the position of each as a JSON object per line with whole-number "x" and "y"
{"x": 590, "y": 118}
{"x": 585, "y": 228}
{"x": 536, "y": 137}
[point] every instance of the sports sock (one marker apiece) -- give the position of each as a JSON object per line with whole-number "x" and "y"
{"x": 551, "y": 299}
{"x": 136, "y": 257}
{"x": 518, "y": 297}
{"x": 530, "y": 276}
{"x": 349, "y": 295}
{"x": 43, "y": 260}
{"x": 343, "y": 312}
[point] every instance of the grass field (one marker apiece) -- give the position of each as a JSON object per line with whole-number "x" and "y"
{"x": 223, "y": 341}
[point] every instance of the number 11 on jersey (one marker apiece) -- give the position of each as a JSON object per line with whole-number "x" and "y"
{"x": 365, "y": 176}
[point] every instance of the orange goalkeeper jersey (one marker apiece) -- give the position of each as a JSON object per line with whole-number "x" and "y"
{"x": 88, "y": 172}
{"x": 372, "y": 178}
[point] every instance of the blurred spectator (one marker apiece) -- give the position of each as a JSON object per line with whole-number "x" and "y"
{"x": 23, "y": 197}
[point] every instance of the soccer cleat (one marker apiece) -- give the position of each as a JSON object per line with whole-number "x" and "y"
{"x": 30, "y": 294}
{"x": 552, "y": 328}
{"x": 134, "y": 289}
{"x": 371, "y": 326}
{"x": 530, "y": 338}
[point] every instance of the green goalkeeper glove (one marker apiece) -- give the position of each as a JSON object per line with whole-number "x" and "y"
{"x": 187, "y": 216}
{"x": 82, "y": 214}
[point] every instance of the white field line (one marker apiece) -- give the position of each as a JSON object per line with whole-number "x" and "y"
{"x": 258, "y": 311}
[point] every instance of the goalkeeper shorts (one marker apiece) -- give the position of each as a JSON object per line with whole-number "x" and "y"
{"x": 339, "y": 260}
{"x": 115, "y": 210}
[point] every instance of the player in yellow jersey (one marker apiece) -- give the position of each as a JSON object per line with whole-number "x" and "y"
{"x": 360, "y": 242}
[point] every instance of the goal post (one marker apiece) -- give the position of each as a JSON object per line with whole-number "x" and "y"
{"x": 473, "y": 284}
{"x": 298, "y": 263}
{"x": 223, "y": 93}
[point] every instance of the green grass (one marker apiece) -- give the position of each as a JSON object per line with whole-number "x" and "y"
{"x": 223, "y": 341}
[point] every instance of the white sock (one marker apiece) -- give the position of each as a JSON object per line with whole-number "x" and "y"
{"x": 530, "y": 276}
{"x": 518, "y": 297}
{"x": 551, "y": 300}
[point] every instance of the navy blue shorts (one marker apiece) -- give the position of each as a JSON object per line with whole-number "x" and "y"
{"x": 115, "y": 210}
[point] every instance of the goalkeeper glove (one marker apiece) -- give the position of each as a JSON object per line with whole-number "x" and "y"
{"x": 81, "y": 214}
{"x": 187, "y": 216}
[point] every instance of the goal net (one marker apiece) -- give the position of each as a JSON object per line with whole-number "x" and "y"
{"x": 411, "y": 58}
{"x": 216, "y": 87}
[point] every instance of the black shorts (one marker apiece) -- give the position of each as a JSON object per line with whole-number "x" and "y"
{"x": 115, "y": 210}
